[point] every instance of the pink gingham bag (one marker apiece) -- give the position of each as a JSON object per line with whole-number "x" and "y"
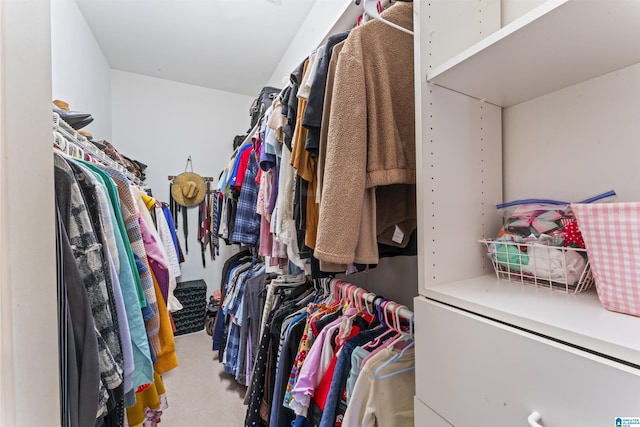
{"x": 611, "y": 233}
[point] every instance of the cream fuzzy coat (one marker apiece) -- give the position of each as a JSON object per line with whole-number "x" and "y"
{"x": 371, "y": 140}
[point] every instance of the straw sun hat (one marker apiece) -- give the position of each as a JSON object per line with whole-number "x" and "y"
{"x": 188, "y": 189}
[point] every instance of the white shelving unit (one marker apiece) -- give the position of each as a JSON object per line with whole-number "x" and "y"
{"x": 546, "y": 99}
{"x": 558, "y": 44}
{"x": 577, "y": 319}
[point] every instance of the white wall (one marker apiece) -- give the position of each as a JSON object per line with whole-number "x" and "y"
{"x": 395, "y": 278}
{"x": 80, "y": 72}
{"x": 325, "y": 18}
{"x": 161, "y": 123}
{"x": 28, "y": 334}
{"x": 512, "y": 10}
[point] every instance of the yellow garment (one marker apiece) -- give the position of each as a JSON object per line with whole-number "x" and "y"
{"x": 149, "y": 202}
{"x": 305, "y": 165}
{"x": 149, "y": 398}
{"x": 299, "y": 156}
{"x": 166, "y": 360}
{"x": 313, "y": 211}
{"x": 166, "y": 357}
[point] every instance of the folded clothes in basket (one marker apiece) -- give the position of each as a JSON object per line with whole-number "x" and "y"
{"x": 537, "y": 258}
{"x": 507, "y": 253}
{"x": 555, "y": 264}
{"x": 541, "y": 244}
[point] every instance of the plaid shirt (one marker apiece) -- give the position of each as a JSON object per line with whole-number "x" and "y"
{"x": 232, "y": 352}
{"x": 232, "y": 349}
{"x": 247, "y": 224}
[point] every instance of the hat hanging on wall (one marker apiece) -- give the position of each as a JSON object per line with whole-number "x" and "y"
{"x": 188, "y": 188}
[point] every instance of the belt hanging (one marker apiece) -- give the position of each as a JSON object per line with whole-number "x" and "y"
{"x": 185, "y": 228}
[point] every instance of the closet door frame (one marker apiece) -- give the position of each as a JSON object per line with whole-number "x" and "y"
{"x": 29, "y": 378}
{"x": 6, "y": 382}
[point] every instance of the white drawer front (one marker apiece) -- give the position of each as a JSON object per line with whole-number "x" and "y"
{"x": 476, "y": 372}
{"x": 425, "y": 417}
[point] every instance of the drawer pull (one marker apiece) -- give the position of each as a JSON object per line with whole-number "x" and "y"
{"x": 533, "y": 419}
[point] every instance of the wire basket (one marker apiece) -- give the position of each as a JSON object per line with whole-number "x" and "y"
{"x": 560, "y": 268}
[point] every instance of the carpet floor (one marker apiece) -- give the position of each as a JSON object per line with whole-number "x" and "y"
{"x": 199, "y": 392}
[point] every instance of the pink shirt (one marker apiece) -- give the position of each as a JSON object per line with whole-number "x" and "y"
{"x": 313, "y": 369}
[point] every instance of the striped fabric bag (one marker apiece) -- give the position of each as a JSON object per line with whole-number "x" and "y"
{"x": 611, "y": 233}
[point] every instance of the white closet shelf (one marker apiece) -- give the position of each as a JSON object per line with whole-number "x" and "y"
{"x": 556, "y": 45}
{"x": 577, "y": 319}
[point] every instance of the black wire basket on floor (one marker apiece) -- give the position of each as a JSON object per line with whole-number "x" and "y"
{"x": 193, "y": 297}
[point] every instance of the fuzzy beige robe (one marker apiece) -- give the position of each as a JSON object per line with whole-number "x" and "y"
{"x": 371, "y": 140}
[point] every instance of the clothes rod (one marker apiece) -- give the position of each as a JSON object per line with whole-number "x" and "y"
{"x": 403, "y": 311}
{"x": 205, "y": 178}
{"x": 370, "y": 297}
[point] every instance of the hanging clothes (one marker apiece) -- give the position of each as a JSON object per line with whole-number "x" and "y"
{"x": 157, "y": 252}
{"x": 132, "y": 224}
{"x": 317, "y": 139}
{"x": 91, "y": 265}
{"x": 97, "y": 204}
{"x": 78, "y": 339}
{"x": 166, "y": 237}
{"x": 387, "y": 402}
{"x": 130, "y": 284}
{"x": 365, "y": 148}
{"x": 313, "y": 116}
{"x": 107, "y": 362}
{"x": 305, "y": 358}
{"x": 247, "y": 223}
{"x": 324, "y": 183}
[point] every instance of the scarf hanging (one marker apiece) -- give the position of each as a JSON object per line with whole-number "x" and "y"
{"x": 173, "y": 206}
{"x": 211, "y": 213}
{"x": 185, "y": 228}
{"x": 201, "y": 220}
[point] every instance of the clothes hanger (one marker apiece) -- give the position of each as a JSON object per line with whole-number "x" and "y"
{"x": 398, "y": 356}
{"x": 326, "y": 288}
{"x": 379, "y": 309}
{"x": 331, "y": 293}
{"x": 78, "y": 152}
{"x": 59, "y": 141}
{"x": 384, "y": 339}
{"x": 354, "y": 301}
{"x": 371, "y": 9}
{"x": 362, "y": 297}
{"x": 388, "y": 334}
{"x": 328, "y": 302}
{"x": 394, "y": 359}
{"x": 338, "y": 294}
{"x": 396, "y": 316}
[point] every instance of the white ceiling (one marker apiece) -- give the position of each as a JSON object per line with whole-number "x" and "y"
{"x": 231, "y": 45}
